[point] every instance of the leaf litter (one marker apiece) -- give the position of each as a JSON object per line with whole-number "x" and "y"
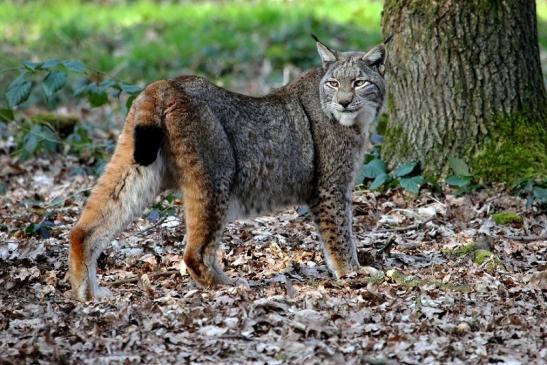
{"x": 421, "y": 296}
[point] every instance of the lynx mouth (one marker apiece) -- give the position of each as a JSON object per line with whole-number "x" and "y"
{"x": 348, "y": 111}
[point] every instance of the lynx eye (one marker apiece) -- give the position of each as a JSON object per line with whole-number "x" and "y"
{"x": 333, "y": 83}
{"x": 360, "y": 83}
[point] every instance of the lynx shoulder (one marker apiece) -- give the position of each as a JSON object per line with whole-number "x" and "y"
{"x": 234, "y": 156}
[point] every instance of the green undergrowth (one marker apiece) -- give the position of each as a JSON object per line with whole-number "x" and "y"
{"x": 148, "y": 40}
{"x": 541, "y": 8}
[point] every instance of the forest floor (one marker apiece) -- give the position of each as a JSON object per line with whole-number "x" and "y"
{"x": 448, "y": 284}
{"x": 441, "y": 281}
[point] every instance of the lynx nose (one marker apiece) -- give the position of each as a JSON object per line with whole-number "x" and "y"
{"x": 344, "y": 98}
{"x": 344, "y": 103}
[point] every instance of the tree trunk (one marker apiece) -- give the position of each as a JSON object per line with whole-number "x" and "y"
{"x": 465, "y": 80}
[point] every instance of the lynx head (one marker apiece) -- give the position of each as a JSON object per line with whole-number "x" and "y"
{"x": 353, "y": 88}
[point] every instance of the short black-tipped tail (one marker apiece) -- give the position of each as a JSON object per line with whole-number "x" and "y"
{"x": 148, "y": 140}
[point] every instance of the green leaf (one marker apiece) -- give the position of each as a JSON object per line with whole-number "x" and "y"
{"x": 6, "y": 115}
{"x": 31, "y": 228}
{"x": 81, "y": 90}
{"x": 132, "y": 98}
{"x": 49, "y": 139}
{"x": 75, "y": 66}
{"x": 459, "y": 181}
{"x": 380, "y": 180}
{"x": 374, "y": 168}
{"x": 540, "y": 194}
{"x": 41, "y": 229}
{"x": 49, "y": 64}
{"x": 31, "y": 143}
{"x": 459, "y": 166}
{"x": 32, "y": 66}
{"x": 53, "y": 82}
{"x": 104, "y": 85}
{"x": 18, "y": 91}
{"x": 97, "y": 98}
{"x": 130, "y": 88}
{"x": 405, "y": 169}
{"x": 412, "y": 184}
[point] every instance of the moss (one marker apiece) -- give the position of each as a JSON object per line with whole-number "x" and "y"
{"x": 382, "y": 124}
{"x": 490, "y": 261}
{"x": 515, "y": 150}
{"x": 396, "y": 143}
{"x": 505, "y": 218}
{"x": 481, "y": 256}
{"x": 465, "y": 249}
{"x": 390, "y": 104}
{"x": 461, "y": 250}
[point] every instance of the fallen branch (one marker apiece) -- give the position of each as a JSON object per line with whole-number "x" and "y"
{"x": 527, "y": 238}
{"x": 137, "y": 278}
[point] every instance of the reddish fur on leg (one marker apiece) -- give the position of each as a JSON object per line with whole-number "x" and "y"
{"x": 77, "y": 254}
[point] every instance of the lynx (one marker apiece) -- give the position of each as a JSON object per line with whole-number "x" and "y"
{"x": 235, "y": 156}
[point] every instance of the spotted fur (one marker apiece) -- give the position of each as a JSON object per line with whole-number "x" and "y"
{"x": 234, "y": 156}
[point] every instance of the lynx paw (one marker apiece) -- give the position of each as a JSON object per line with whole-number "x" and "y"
{"x": 84, "y": 293}
{"x": 102, "y": 292}
{"x": 240, "y": 282}
{"x": 346, "y": 270}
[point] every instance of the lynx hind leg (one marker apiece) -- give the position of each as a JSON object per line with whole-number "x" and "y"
{"x": 121, "y": 194}
{"x": 332, "y": 215}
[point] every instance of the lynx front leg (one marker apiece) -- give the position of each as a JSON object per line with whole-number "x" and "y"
{"x": 332, "y": 214}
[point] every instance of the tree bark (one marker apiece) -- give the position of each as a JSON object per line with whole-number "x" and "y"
{"x": 458, "y": 73}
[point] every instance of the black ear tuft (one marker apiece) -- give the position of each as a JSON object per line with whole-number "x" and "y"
{"x": 147, "y": 143}
{"x": 325, "y": 52}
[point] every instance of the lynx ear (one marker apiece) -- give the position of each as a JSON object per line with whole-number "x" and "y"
{"x": 327, "y": 55}
{"x": 376, "y": 57}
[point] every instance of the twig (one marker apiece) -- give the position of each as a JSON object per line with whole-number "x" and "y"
{"x": 236, "y": 337}
{"x": 407, "y": 228}
{"x": 527, "y": 238}
{"x": 387, "y": 247}
{"x": 145, "y": 231}
{"x": 289, "y": 287}
{"x": 137, "y": 278}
